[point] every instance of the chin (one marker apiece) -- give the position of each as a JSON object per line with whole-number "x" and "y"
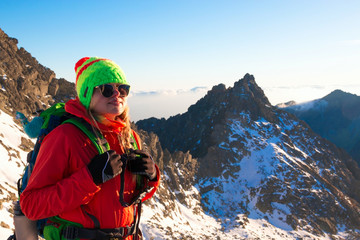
{"x": 117, "y": 112}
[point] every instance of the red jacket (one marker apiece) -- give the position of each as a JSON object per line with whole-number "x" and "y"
{"x": 61, "y": 182}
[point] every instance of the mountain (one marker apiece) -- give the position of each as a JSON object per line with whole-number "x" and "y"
{"x": 26, "y": 85}
{"x": 335, "y": 117}
{"x": 259, "y": 162}
{"x": 233, "y": 166}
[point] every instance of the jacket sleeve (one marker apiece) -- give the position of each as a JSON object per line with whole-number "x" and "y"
{"x": 60, "y": 180}
{"x": 153, "y": 185}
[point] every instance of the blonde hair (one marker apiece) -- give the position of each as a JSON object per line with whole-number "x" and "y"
{"x": 125, "y": 138}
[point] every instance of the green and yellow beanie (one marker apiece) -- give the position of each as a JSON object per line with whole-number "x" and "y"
{"x": 92, "y": 72}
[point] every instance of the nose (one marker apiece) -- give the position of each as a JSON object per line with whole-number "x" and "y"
{"x": 116, "y": 92}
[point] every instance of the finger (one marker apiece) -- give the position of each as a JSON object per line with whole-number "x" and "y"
{"x": 132, "y": 156}
{"x": 111, "y": 152}
{"x": 115, "y": 157}
{"x": 118, "y": 162}
{"x": 117, "y": 170}
{"x": 142, "y": 153}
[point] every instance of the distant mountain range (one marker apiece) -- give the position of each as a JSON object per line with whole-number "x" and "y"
{"x": 256, "y": 161}
{"x": 233, "y": 166}
{"x": 335, "y": 117}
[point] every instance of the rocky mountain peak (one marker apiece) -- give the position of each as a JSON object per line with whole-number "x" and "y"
{"x": 26, "y": 85}
{"x": 257, "y": 161}
{"x": 246, "y": 95}
{"x": 213, "y": 109}
{"x": 11, "y": 42}
{"x": 338, "y": 95}
{"x": 347, "y": 102}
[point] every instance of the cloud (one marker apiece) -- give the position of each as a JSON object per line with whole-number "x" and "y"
{"x": 297, "y": 87}
{"x": 163, "y": 103}
{"x": 200, "y": 89}
{"x": 170, "y": 92}
{"x": 305, "y": 93}
{"x": 305, "y": 106}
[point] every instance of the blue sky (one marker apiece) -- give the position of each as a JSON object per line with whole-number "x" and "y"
{"x": 297, "y": 50}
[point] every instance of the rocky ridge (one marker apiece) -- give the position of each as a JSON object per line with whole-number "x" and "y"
{"x": 26, "y": 85}
{"x": 270, "y": 161}
{"x": 335, "y": 117}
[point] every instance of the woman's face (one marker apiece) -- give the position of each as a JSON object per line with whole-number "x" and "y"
{"x": 110, "y": 107}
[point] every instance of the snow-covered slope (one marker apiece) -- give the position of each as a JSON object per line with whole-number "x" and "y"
{"x": 266, "y": 192}
{"x": 12, "y": 158}
{"x": 263, "y": 173}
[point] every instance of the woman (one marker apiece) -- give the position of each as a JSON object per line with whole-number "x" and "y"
{"x": 72, "y": 181}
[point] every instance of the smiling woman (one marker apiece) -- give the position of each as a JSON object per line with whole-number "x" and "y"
{"x": 109, "y": 101}
{"x": 93, "y": 193}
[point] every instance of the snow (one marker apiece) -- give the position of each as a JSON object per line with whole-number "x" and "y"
{"x": 268, "y": 151}
{"x": 12, "y": 166}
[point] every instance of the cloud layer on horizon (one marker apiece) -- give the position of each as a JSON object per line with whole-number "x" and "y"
{"x": 167, "y": 103}
{"x": 304, "y": 93}
{"x": 163, "y": 103}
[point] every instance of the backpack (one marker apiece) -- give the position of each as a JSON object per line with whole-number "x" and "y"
{"x": 47, "y": 121}
{"x": 41, "y": 126}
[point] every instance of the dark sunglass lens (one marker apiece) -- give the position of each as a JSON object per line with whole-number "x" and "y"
{"x": 124, "y": 90}
{"x": 107, "y": 90}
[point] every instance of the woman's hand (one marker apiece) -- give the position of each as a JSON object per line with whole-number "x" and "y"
{"x": 140, "y": 162}
{"x": 106, "y": 166}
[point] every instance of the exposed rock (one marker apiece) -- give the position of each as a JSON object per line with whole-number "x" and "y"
{"x": 180, "y": 167}
{"x": 335, "y": 117}
{"x": 26, "y": 85}
{"x": 238, "y": 136}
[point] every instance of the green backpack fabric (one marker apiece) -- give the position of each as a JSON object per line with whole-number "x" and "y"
{"x": 43, "y": 125}
{"x": 54, "y": 231}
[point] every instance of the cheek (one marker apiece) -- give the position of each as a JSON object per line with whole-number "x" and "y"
{"x": 96, "y": 104}
{"x": 93, "y": 103}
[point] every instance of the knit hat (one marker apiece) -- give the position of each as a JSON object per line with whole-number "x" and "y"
{"x": 92, "y": 72}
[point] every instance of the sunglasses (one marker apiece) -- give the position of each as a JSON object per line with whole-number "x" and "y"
{"x": 107, "y": 90}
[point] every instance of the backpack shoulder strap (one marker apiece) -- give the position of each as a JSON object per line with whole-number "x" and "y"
{"x": 101, "y": 144}
{"x": 133, "y": 142}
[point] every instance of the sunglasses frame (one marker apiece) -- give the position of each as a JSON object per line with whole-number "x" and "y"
{"x": 119, "y": 89}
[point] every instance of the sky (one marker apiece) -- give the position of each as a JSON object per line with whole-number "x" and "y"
{"x": 173, "y": 52}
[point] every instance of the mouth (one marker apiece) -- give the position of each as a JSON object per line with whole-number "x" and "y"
{"x": 115, "y": 102}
